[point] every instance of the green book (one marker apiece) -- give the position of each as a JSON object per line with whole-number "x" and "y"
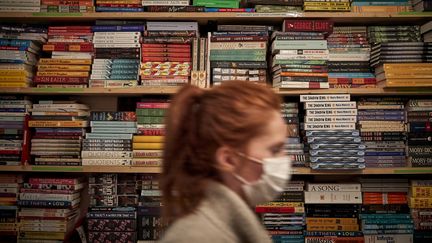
{"x": 217, "y": 3}
{"x": 151, "y": 112}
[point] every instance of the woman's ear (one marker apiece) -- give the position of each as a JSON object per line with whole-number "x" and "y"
{"x": 226, "y": 159}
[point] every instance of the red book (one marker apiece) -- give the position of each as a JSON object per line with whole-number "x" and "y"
{"x": 151, "y": 132}
{"x": 272, "y": 209}
{"x": 166, "y": 46}
{"x": 25, "y": 155}
{"x": 57, "y": 181}
{"x": 62, "y": 80}
{"x": 120, "y": 5}
{"x": 307, "y": 25}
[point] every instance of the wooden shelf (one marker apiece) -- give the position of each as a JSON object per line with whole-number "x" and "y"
{"x": 81, "y": 169}
{"x": 131, "y": 169}
{"x": 171, "y": 90}
{"x": 203, "y": 18}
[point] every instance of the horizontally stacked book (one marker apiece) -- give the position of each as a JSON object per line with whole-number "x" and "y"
{"x": 58, "y": 128}
{"x": 148, "y": 143}
{"x": 112, "y": 213}
{"x": 238, "y": 53}
{"x": 110, "y": 141}
{"x": 71, "y": 51}
{"x": 300, "y": 54}
{"x": 19, "y": 53}
{"x": 331, "y": 134}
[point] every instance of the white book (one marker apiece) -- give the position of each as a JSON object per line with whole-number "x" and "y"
{"x": 172, "y": 26}
{"x": 333, "y": 197}
{"x": 335, "y": 97}
{"x": 333, "y": 187}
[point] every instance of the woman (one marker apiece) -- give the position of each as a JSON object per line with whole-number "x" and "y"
{"x": 223, "y": 155}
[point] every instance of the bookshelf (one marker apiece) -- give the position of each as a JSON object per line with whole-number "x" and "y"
{"x": 100, "y": 96}
{"x": 203, "y": 17}
{"x": 136, "y": 91}
{"x": 151, "y": 170}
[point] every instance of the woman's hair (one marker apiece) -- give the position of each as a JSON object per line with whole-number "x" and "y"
{"x": 198, "y": 123}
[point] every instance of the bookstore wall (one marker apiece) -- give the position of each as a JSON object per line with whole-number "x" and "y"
{"x": 85, "y": 86}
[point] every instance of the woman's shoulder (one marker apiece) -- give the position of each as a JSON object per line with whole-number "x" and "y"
{"x": 197, "y": 227}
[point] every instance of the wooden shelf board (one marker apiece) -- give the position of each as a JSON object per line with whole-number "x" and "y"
{"x": 172, "y": 90}
{"x": 81, "y": 169}
{"x": 131, "y": 169}
{"x": 338, "y": 17}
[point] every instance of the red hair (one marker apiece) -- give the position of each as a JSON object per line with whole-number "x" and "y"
{"x": 198, "y": 123}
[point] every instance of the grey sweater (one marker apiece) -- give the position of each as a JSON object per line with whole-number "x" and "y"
{"x": 222, "y": 217}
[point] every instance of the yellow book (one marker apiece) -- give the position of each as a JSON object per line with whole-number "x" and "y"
{"x": 136, "y": 146}
{"x": 148, "y": 139}
{"x": 14, "y": 85}
{"x": 65, "y": 61}
{"x": 282, "y": 204}
{"x": 421, "y": 191}
{"x": 330, "y": 221}
{"x": 14, "y": 79}
{"x": 64, "y": 74}
{"x": 64, "y": 68}
{"x": 420, "y": 202}
{"x": 320, "y": 227}
{"x": 18, "y": 73}
{"x": 43, "y": 123}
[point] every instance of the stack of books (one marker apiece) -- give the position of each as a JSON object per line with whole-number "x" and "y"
{"x": 9, "y": 191}
{"x": 405, "y": 75}
{"x": 55, "y": 6}
{"x": 382, "y": 125}
{"x": 118, "y": 6}
{"x": 349, "y": 54}
{"x": 332, "y": 212}
{"x": 117, "y": 54}
{"x": 284, "y": 218}
{"x": 300, "y": 54}
{"x": 19, "y": 51}
{"x": 275, "y": 6}
{"x": 150, "y": 224}
{"x": 330, "y": 127}
{"x": 327, "y": 6}
{"x": 49, "y": 208}
{"x": 71, "y": 50}
{"x": 398, "y": 33}
{"x": 110, "y": 141}
{"x": 15, "y": 138}
{"x": 148, "y": 144}
{"x": 381, "y": 6}
{"x": 21, "y": 6}
{"x": 419, "y": 116}
{"x": 113, "y": 198}
{"x": 166, "y": 57}
{"x": 59, "y": 127}
{"x": 294, "y": 147}
{"x": 385, "y": 213}
{"x": 420, "y": 202}
{"x": 238, "y": 43}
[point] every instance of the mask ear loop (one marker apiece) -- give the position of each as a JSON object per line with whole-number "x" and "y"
{"x": 250, "y": 158}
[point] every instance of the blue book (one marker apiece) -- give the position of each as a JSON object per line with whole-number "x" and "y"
{"x": 108, "y": 9}
{"x": 351, "y": 75}
{"x": 245, "y": 10}
{"x": 19, "y": 43}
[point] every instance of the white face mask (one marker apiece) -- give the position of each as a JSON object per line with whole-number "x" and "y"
{"x": 277, "y": 173}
